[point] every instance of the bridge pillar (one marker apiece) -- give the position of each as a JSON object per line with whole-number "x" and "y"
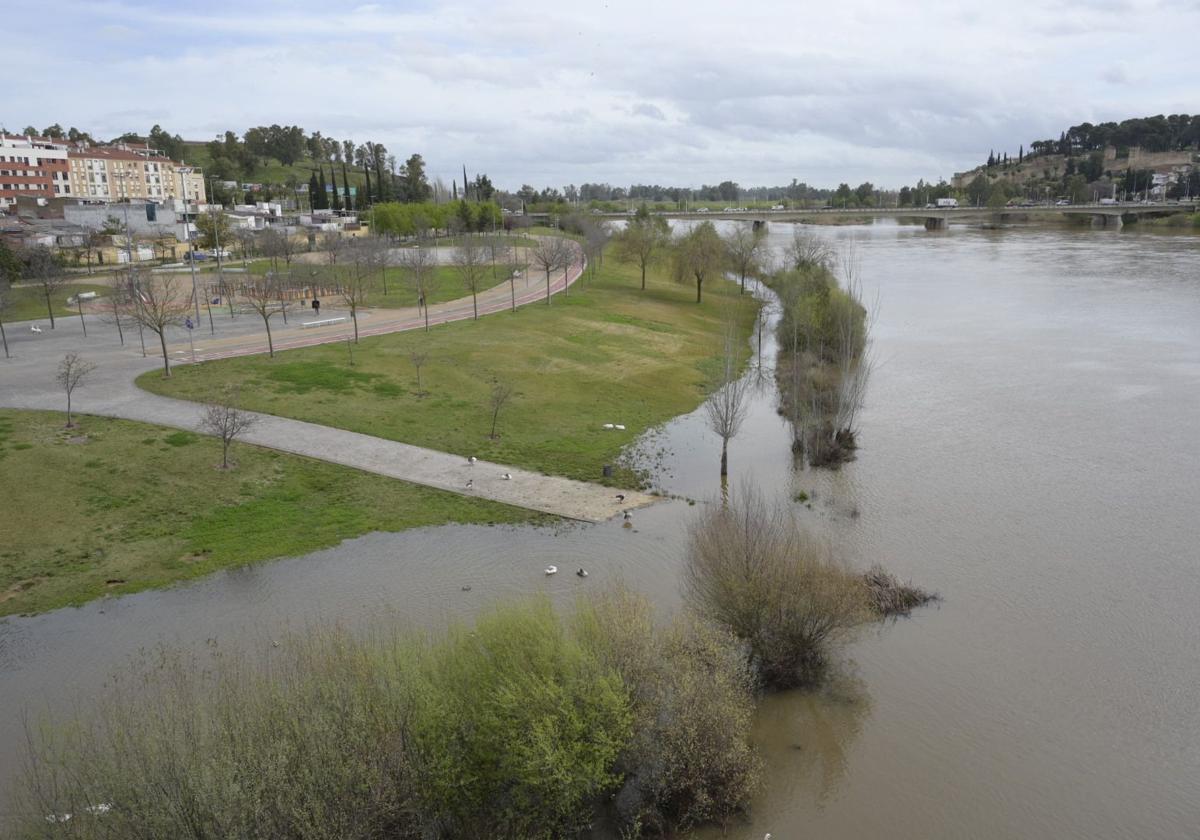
{"x": 1107, "y": 220}
{"x": 935, "y": 223}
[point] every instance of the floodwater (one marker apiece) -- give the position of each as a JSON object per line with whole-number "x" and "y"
{"x": 1029, "y": 449}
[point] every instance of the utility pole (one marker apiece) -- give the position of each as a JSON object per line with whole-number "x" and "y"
{"x": 184, "y": 171}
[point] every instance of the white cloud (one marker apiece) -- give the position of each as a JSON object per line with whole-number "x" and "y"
{"x": 551, "y": 93}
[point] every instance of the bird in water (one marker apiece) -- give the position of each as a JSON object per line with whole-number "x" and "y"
{"x": 582, "y": 572}
{"x": 470, "y": 483}
{"x": 467, "y": 588}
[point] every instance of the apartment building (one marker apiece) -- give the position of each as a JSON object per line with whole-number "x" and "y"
{"x": 35, "y": 166}
{"x": 127, "y": 172}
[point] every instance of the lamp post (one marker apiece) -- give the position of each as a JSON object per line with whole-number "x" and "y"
{"x": 184, "y": 171}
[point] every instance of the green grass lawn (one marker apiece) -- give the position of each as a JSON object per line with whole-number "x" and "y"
{"x": 115, "y": 506}
{"x": 606, "y": 352}
{"x": 393, "y": 291}
{"x": 27, "y": 303}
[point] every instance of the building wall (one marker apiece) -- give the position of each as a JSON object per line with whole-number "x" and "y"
{"x": 32, "y": 166}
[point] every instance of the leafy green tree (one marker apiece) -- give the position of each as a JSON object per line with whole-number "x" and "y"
{"x": 414, "y": 185}
{"x": 483, "y": 188}
{"x": 213, "y": 228}
{"x": 977, "y": 190}
{"x": 1077, "y": 189}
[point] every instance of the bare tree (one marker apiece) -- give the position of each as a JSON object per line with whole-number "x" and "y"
{"x": 698, "y": 255}
{"x": 517, "y": 265}
{"x": 245, "y": 239}
{"x": 222, "y": 418}
{"x": 596, "y": 238}
{"x": 418, "y": 359}
{"x": 3, "y": 304}
{"x": 550, "y": 253}
{"x": 497, "y": 251}
{"x": 265, "y": 296}
{"x": 642, "y": 242}
{"x": 501, "y": 393}
{"x": 753, "y": 570}
{"x": 45, "y": 269}
{"x": 158, "y": 305}
{"x": 469, "y": 261}
{"x": 377, "y": 252}
{"x": 726, "y": 405}
{"x": 807, "y": 250}
{"x": 419, "y": 266}
{"x": 72, "y": 371}
{"x": 334, "y": 245}
{"x": 356, "y": 282}
{"x": 115, "y": 306}
{"x": 270, "y": 244}
{"x": 744, "y": 246}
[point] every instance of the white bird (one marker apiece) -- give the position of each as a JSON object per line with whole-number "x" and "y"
{"x": 35, "y": 328}
{"x": 552, "y": 570}
{"x": 620, "y": 427}
{"x": 582, "y": 572}
{"x": 609, "y": 426}
{"x": 507, "y": 476}
{"x": 628, "y": 516}
{"x": 472, "y": 460}
{"x": 470, "y": 483}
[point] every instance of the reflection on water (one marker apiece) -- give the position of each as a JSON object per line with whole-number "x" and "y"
{"x": 1029, "y": 448}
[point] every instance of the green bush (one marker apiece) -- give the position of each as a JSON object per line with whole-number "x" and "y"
{"x": 515, "y": 728}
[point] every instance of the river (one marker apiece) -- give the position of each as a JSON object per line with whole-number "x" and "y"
{"x": 1029, "y": 449}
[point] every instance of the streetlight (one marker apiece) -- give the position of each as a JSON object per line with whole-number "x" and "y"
{"x": 184, "y": 171}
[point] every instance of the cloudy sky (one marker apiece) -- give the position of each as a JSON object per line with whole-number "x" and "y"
{"x": 648, "y": 91}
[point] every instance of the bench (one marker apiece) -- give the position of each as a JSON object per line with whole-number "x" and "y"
{"x": 324, "y": 322}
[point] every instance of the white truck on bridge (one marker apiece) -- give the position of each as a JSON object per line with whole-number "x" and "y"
{"x": 947, "y": 202}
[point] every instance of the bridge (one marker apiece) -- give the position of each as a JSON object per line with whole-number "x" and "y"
{"x": 939, "y": 218}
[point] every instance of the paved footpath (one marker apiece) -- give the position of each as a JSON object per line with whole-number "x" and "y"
{"x": 27, "y": 381}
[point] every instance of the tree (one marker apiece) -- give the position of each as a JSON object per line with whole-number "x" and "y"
{"x": 753, "y": 570}
{"x": 550, "y": 253}
{"x": 643, "y": 241}
{"x": 419, "y": 267}
{"x": 698, "y": 255}
{"x": 223, "y": 419}
{"x": 4, "y": 292}
{"x": 469, "y": 262}
{"x": 414, "y": 186}
{"x": 157, "y": 304}
{"x": 726, "y": 406}
{"x": 44, "y": 268}
{"x": 1077, "y": 189}
{"x": 72, "y": 371}
{"x": 334, "y": 245}
{"x": 744, "y": 245}
{"x": 500, "y": 395}
{"x": 418, "y": 359}
{"x": 807, "y": 250}
{"x": 213, "y": 227}
{"x": 264, "y": 294}
{"x": 356, "y": 281}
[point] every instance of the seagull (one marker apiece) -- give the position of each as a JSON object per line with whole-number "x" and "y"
{"x": 507, "y": 476}
{"x": 620, "y": 497}
{"x": 620, "y": 427}
{"x": 35, "y": 328}
{"x": 582, "y": 572}
{"x": 470, "y": 483}
{"x": 609, "y": 426}
{"x": 552, "y": 570}
{"x": 472, "y": 460}
{"x": 628, "y": 516}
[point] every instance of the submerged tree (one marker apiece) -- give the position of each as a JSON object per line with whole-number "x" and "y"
{"x": 726, "y": 406}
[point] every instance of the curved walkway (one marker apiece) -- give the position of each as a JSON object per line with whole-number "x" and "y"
{"x": 27, "y": 381}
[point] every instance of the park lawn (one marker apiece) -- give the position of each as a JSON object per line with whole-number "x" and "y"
{"x": 28, "y": 303}
{"x": 115, "y": 507}
{"x": 393, "y": 291}
{"x": 606, "y": 352}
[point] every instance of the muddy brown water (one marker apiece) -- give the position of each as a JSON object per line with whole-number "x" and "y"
{"x": 1030, "y": 449}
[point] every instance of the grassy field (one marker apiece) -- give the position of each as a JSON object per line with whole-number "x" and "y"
{"x": 446, "y": 284}
{"x": 27, "y": 303}
{"x": 606, "y": 352}
{"x": 115, "y": 506}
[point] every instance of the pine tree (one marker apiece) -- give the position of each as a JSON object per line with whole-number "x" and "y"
{"x": 466, "y": 186}
{"x": 337, "y": 201}
{"x": 1021, "y": 154}
{"x": 313, "y": 189}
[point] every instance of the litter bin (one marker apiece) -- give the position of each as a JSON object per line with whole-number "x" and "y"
{"x": 608, "y": 470}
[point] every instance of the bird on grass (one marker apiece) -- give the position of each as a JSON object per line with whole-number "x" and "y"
{"x": 620, "y": 497}
{"x": 582, "y": 572}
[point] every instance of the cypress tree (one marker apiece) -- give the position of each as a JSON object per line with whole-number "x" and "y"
{"x": 367, "y": 173}
{"x": 346, "y": 184}
{"x": 337, "y": 201}
{"x": 313, "y": 188}
{"x": 321, "y": 201}
{"x": 466, "y": 186}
